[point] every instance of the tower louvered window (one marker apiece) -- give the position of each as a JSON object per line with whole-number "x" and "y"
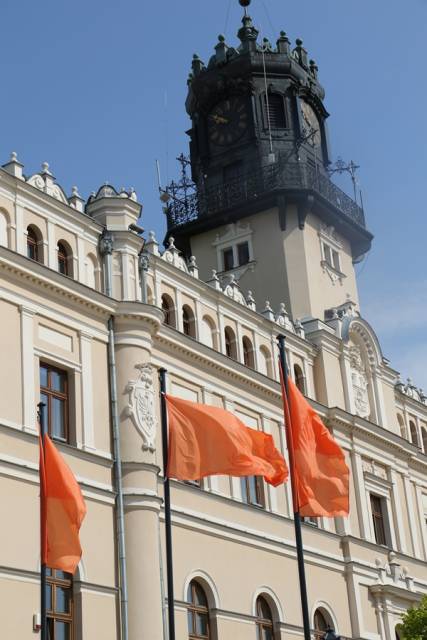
{"x": 275, "y": 109}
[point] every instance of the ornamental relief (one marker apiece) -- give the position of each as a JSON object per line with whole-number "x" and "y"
{"x": 359, "y": 381}
{"x": 370, "y": 466}
{"x": 141, "y": 406}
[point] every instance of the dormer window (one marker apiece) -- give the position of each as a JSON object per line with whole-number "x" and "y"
{"x": 275, "y": 111}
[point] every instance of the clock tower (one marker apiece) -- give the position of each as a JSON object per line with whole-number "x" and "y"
{"x": 264, "y": 208}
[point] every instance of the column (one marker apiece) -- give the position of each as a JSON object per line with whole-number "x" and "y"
{"x": 52, "y": 254}
{"x": 413, "y": 525}
{"x": 197, "y": 319}
{"x": 274, "y": 358}
{"x": 272, "y": 491}
{"x": 178, "y": 311}
{"x": 212, "y": 481}
{"x": 239, "y": 345}
{"x": 81, "y": 257}
{"x": 379, "y": 398}
{"x": 87, "y": 391}
{"x": 309, "y": 379}
{"x": 397, "y": 512}
{"x": 346, "y": 381}
{"x": 221, "y": 340}
{"x": 138, "y": 386}
{"x": 29, "y": 398}
{"x": 421, "y": 518}
{"x": 359, "y": 487}
{"x": 21, "y": 235}
{"x": 235, "y": 483}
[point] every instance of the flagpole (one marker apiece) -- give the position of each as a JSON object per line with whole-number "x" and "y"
{"x": 168, "y": 521}
{"x": 297, "y": 517}
{"x": 43, "y": 616}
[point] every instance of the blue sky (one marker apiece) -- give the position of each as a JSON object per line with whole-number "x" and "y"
{"x": 97, "y": 89}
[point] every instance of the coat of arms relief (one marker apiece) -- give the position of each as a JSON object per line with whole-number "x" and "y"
{"x": 141, "y": 405}
{"x": 359, "y": 382}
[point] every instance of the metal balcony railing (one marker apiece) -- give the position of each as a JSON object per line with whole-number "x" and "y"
{"x": 251, "y": 186}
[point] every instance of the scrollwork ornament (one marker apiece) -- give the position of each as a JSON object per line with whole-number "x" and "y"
{"x": 141, "y": 405}
{"x": 359, "y": 382}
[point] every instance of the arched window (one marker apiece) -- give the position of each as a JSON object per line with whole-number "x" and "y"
{"x": 65, "y": 259}
{"x": 275, "y": 110}
{"x": 264, "y": 362}
{"x": 169, "y": 310}
{"x": 299, "y": 378}
{"x": 3, "y": 230}
{"x": 424, "y": 434}
{"x": 402, "y": 427}
{"x": 414, "y": 434}
{"x": 248, "y": 352}
{"x": 230, "y": 343}
{"x": 60, "y": 605}
{"x": 322, "y": 622}
{"x": 208, "y": 332}
{"x": 264, "y": 620}
{"x": 188, "y": 321}
{"x": 198, "y": 612}
{"x": 34, "y": 244}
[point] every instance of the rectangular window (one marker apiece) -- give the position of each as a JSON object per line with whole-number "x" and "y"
{"x": 310, "y": 520}
{"x": 243, "y": 253}
{"x": 59, "y": 604}
{"x": 378, "y": 519}
{"x": 336, "y": 260}
{"x": 331, "y": 257}
{"x": 228, "y": 259}
{"x": 253, "y": 490}
{"x": 327, "y": 254}
{"x": 54, "y": 394}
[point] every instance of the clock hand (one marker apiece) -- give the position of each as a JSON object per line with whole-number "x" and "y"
{"x": 219, "y": 119}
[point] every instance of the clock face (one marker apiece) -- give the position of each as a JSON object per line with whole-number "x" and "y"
{"x": 311, "y": 124}
{"x": 228, "y": 122}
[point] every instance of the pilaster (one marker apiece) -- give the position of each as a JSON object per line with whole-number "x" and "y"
{"x": 361, "y": 502}
{"x": 87, "y": 391}
{"x": 28, "y": 370}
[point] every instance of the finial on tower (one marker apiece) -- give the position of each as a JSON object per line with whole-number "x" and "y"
{"x": 244, "y": 4}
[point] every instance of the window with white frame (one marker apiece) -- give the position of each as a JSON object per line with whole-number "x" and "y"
{"x": 234, "y": 247}
{"x": 379, "y": 493}
{"x": 235, "y": 256}
{"x": 331, "y": 257}
{"x": 379, "y": 517}
{"x": 330, "y": 250}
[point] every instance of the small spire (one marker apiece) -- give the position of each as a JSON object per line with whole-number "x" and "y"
{"x": 247, "y": 34}
{"x": 45, "y": 168}
{"x": 197, "y": 65}
{"x": 283, "y": 43}
{"x": 300, "y": 53}
{"x": 221, "y": 50}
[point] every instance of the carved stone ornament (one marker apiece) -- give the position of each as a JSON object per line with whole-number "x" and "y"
{"x": 141, "y": 405}
{"x": 359, "y": 382}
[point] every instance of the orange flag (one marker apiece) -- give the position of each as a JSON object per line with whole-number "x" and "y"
{"x": 62, "y": 512}
{"x": 207, "y": 441}
{"x": 320, "y": 473}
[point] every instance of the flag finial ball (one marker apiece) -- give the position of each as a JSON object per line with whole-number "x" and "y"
{"x": 245, "y": 3}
